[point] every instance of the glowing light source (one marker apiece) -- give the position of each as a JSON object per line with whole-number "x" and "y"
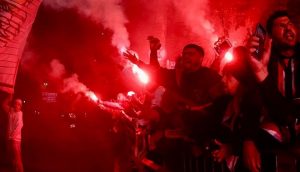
{"x": 228, "y": 57}
{"x": 45, "y": 84}
{"x": 222, "y": 45}
{"x": 143, "y": 77}
{"x": 92, "y": 96}
{"x": 122, "y": 50}
{"x": 130, "y": 93}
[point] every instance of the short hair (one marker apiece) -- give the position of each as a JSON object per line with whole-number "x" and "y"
{"x": 273, "y": 17}
{"x": 196, "y": 47}
{"x": 18, "y": 101}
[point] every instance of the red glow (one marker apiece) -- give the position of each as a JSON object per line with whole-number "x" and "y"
{"x": 162, "y": 53}
{"x": 122, "y": 50}
{"x": 130, "y": 93}
{"x": 92, "y": 96}
{"x": 143, "y": 77}
{"x": 228, "y": 57}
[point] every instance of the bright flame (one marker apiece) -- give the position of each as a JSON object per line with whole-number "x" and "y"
{"x": 92, "y": 96}
{"x": 143, "y": 77}
{"x": 122, "y": 50}
{"x": 228, "y": 57}
{"x": 130, "y": 93}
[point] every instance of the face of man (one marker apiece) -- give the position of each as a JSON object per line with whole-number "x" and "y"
{"x": 284, "y": 32}
{"x": 191, "y": 59}
{"x": 17, "y": 105}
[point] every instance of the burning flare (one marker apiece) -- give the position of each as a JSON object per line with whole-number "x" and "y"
{"x": 143, "y": 77}
{"x": 92, "y": 96}
{"x": 228, "y": 57}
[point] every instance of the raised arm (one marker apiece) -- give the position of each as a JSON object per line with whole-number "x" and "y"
{"x": 155, "y": 45}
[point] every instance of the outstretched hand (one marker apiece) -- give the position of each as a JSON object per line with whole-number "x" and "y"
{"x": 131, "y": 57}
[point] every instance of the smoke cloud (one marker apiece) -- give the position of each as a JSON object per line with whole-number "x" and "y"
{"x": 107, "y": 12}
{"x": 70, "y": 84}
{"x": 57, "y": 70}
{"x": 195, "y": 17}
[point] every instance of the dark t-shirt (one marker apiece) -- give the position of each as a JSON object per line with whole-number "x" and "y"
{"x": 202, "y": 86}
{"x": 195, "y": 88}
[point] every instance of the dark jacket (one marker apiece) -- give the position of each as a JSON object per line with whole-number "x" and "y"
{"x": 275, "y": 61}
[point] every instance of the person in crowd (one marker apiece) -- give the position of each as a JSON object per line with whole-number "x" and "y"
{"x": 277, "y": 73}
{"x": 15, "y": 124}
{"x": 190, "y": 91}
{"x": 244, "y": 110}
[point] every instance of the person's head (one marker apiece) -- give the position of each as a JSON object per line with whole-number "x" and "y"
{"x": 282, "y": 30}
{"x": 239, "y": 67}
{"x": 17, "y": 105}
{"x": 192, "y": 57}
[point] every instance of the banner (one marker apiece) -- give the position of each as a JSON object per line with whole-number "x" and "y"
{"x": 16, "y": 19}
